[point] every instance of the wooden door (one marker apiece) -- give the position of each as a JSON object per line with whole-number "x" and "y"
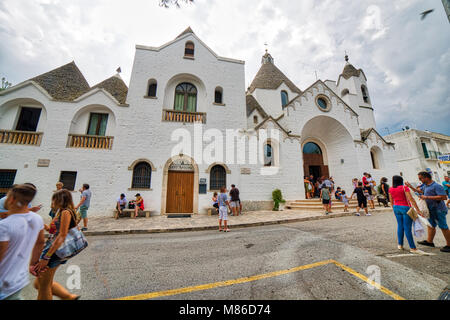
{"x": 180, "y": 192}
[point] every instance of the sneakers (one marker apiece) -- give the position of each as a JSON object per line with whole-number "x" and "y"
{"x": 426, "y": 243}
{"x": 357, "y": 214}
{"x": 445, "y": 249}
{"x": 368, "y": 214}
{"x": 83, "y": 229}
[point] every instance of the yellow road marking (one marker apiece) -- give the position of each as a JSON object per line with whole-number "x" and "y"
{"x": 223, "y": 283}
{"x": 371, "y": 282}
{"x": 209, "y": 286}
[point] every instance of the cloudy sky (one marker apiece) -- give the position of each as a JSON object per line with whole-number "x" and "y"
{"x": 406, "y": 60}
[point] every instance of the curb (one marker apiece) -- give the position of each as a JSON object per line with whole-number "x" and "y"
{"x": 207, "y": 228}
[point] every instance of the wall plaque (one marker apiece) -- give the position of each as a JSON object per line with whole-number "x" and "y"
{"x": 246, "y": 171}
{"x": 43, "y": 163}
{"x": 181, "y": 165}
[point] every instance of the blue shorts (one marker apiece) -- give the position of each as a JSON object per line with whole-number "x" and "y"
{"x": 438, "y": 218}
{"x": 83, "y": 212}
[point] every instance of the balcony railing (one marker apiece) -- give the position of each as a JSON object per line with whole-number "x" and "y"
{"x": 183, "y": 116}
{"x": 433, "y": 155}
{"x": 21, "y": 137}
{"x": 90, "y": 142}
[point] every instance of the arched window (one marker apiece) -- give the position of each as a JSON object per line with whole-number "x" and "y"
{"x": 186, "y": 97}
{"x": 218, "y": 95}
{"x": 152, "y": 88}
{"x": 142, "y": 176}
{"x": 217, "y": 177}
{"x": 255, "y": 119}
{"x": 365, "y": 94}
{"x": 372, "y": 156}
{"x": 311, "y": 148}
{"x": 376, "y": 155}
{"x": 189, "y": 49}
{"x": 268, "y": 155}
{"x": 345, "y": 92}
{"x": 284, "y": 98}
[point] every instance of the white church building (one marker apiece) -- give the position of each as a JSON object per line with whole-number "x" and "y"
{"x": 185, "y": 127}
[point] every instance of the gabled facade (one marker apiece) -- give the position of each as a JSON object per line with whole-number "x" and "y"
{"x": 185, "y": 127}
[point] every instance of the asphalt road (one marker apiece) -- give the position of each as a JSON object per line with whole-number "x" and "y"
{"x": 123, "y": 266}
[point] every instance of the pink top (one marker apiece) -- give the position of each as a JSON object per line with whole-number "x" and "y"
{"x": 399, "y": 196}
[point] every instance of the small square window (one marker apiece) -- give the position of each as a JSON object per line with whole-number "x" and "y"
{"x": 6, "y": 181}
{"x": 68, "y": 178}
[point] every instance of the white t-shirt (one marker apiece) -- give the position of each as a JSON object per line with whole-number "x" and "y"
{"x": 21, "y": 231}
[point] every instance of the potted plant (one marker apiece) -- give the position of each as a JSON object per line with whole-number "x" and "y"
{"x": 278, "y": 201}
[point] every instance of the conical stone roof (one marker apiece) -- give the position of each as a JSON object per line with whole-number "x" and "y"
{"x": 270, "y": 77}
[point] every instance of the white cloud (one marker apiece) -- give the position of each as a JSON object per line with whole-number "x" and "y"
{"x": 406, "y": 60}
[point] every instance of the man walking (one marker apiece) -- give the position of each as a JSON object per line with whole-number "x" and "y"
{"x": 435, "y": 197}
{"x": 235, "y": 200}
{"x": 84, "y": 204}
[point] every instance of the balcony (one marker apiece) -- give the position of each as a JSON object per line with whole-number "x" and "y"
{"x": 183, "y": 116}
{"x": 28, "y": 138}
{"x": 90, "y": 142}
{"x": 433, "y": 155}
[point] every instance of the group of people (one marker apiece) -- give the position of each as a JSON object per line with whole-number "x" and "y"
{"x": 122, "y": 203}
{"x": 23, "y": 248}
{"x": 313, "y": 185}
{"x": 227, "y": 203}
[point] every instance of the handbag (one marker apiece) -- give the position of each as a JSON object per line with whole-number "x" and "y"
{"x": 74, "y": 243}
{"x": 411, "y": 212}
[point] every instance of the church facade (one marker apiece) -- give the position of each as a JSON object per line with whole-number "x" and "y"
{"x": 185, "y": 127}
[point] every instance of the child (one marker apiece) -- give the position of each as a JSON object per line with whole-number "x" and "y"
{"x": 345, "y": 200}
{"x": 362, "y": 200}
{"x": 325, "y": 197}
{"x": 215, "y": 201}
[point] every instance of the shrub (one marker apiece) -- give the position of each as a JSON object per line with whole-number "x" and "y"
{"x": 277, "y": 199}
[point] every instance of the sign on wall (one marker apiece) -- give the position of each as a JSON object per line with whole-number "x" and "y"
{"x": 181, "y": 165}
{"x": 445, "y": 159}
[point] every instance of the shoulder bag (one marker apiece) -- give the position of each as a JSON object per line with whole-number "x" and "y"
{"x": 74, "y": 243}
{"x": 411, "y": 212}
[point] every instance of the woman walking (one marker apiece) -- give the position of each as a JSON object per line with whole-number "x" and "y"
{"x": 49, "y": 262}
{"x": 401, "y": 199}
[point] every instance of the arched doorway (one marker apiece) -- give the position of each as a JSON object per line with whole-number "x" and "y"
{"x": 179, "y": 193}
{"x": 313, "y": 163}
{"x": 337, "y": 146}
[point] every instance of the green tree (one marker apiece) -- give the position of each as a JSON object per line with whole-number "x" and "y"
{"x": 168, "y": 3}
{"x": 5, "y": 84}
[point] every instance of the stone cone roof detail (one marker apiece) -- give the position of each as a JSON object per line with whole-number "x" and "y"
{"x": 270, "y": 77}
{"x": 116, "y": 87}
{"x": 350, "y": 71}
{"x": 65, "y": 83}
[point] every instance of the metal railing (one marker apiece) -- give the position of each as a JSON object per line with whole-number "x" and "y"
{"x": 90, "y": 142}
{"x": 183, "y": 116}
{"x": 21, "y": 137}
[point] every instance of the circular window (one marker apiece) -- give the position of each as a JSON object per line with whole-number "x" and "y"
{"x": 323, "y": 103}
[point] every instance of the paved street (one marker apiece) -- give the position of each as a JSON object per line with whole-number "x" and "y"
{"x": 130, "y": 265}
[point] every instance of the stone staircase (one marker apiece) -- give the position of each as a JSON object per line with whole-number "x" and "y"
{"x": 316, "y": 205}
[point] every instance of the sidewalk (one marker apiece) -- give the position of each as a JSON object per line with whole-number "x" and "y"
{"x": 161, "y": 224}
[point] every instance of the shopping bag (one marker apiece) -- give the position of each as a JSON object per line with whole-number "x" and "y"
{"x": 422, "y": 204}
{"x": 424, "y": 221}
{"x": 419, "y": 231}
